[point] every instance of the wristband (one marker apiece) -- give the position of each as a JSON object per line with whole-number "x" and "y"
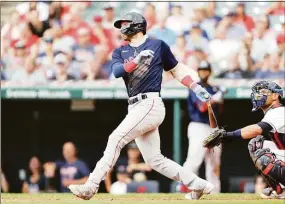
{"x": 130, "y": 66}
{"x": 187, "y": 81}
{"x": 193, "y": 85}
{"x": 236, "y": 134}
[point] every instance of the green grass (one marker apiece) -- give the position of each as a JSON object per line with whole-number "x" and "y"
{"x": 134, "y": 199}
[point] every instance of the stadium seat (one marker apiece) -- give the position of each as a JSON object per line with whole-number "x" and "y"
{"x": 143, "y": 187}
{"x": 237, "y": 184}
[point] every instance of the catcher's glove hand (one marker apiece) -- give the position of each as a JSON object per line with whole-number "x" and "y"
{"x": 215, "y": 138}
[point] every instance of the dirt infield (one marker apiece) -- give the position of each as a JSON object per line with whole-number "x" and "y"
{"x": 134, "y": 199}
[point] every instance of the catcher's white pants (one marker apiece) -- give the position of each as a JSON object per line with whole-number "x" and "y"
{"x": 197, "y": 132}
{"x": 141, "y": 124}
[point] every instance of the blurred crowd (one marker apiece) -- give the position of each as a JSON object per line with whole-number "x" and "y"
{"x": 56, "y": 176}
{"x": 130, "y": 175}
{"x": 53, "y": 41}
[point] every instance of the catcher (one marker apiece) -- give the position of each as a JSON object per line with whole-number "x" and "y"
{"x": 268, "y": 156}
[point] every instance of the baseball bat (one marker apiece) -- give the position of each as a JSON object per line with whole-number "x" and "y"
{"x": 212, "y": 118}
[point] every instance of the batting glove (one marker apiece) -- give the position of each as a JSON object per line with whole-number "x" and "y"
{"x": 201, "y": 93}
{"x": 142, "y": 54}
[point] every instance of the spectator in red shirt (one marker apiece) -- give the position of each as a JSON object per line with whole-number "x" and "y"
{"x": 72, "y": 23}
{"x": 277, "y": 9}
{"x": 99, "y": 33}
{"x": 66, "y": 24}
{"x": 281, "y": 43}
{"x": 26, "y": 36}
{"x": 10, "y": 30}
{"x": 242, "y": 17}
{"x": 109, "y": 17}
{"x": 105, "y": 36}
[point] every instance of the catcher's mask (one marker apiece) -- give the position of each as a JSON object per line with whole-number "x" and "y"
{"x": 261, "y": 90}
{"x": 137, "y": 24}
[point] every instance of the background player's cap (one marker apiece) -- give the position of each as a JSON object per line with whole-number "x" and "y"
{"x": 132, "y": 145}
{"x": 204, "y": 65}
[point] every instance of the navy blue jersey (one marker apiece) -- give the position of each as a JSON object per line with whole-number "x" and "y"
{"x": 71, "y": 171}
{"x": 147, "y": 77}
{"x": 193, "y": 102}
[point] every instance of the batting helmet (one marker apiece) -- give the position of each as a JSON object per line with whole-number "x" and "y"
{"x": 137, "y": 24}
{"x": 258, "y": 99}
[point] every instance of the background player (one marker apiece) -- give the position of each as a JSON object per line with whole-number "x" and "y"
{"x": 140, "y": 64}
{"x": 199, "y": 129}
{"x": 268, "y": 156}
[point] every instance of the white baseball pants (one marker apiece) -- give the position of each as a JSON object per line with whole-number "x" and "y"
{"x": 197, "y": 132}
{"x": 141, "y": 124}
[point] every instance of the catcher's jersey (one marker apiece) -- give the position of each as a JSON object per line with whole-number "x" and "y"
{"x": 275, "y": 117}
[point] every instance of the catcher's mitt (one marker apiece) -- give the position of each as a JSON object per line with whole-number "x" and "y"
{"x": 214, "y": 139}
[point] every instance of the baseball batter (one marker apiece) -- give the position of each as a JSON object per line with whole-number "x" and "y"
{"x": 267, "y": 148}
{"x": 140, "y": 64}
{"x": 199, "y": 129}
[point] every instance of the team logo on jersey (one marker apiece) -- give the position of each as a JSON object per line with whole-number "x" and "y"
{"x": 140, "y": 72}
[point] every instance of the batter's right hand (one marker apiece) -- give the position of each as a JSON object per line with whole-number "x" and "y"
{"x": 201, "y": 93}
{"x": 144, "y": 53}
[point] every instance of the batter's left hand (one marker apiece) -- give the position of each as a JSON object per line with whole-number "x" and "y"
{"x": 202, "y": 93}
